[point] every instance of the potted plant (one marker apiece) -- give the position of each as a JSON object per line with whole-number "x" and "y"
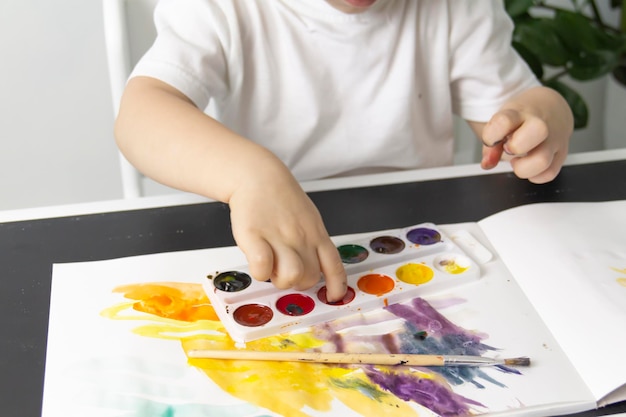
{"x": 576, "y": 41}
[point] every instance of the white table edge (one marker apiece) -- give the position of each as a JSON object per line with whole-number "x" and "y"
{"x": 398, "y": 177}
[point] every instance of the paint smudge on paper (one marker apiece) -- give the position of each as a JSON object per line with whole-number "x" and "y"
{"x": 175, "y": 300}
{"x": 135, "y": 386}
{"x": 428, "y": 392}
{"x": 621, "y": 280}
{"x": 181, "y": 311}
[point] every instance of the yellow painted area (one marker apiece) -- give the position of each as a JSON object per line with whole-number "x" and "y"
{"x": 181, "y": 311}
{"x": 415, "y": 274}
{"x": 452, "y": 267}
{"x": 622, "y": 280}
{"x": 283, "y": 387}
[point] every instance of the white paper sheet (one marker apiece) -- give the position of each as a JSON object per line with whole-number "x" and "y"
{"x": 570, "y": 260}
{"x": 102, "y": 367}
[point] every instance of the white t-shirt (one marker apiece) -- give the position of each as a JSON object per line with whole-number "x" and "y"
{"x": 333, "y": 93}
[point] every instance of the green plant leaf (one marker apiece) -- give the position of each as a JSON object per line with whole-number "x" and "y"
{"x": 576, "y": 31}
{"x": 581, "y": 33}
{"x": 570, "y": 42}
{"x": 517, "y": 8}
{"x": 539, "y": 36}
{"x": 592, "y": 64}
{"x": 531, "y": 59}
{"x": 575, "y": 101}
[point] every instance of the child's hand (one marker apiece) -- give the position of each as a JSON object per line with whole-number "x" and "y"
{"x": 533, "y": 132}
{"x": 281, "y": 232}
{"x": 274, "y": 222}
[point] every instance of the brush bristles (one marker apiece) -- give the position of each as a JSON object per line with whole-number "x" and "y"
{"x": 523, "y": 361}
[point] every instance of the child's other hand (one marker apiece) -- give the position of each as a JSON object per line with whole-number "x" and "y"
{"x": 533, "y": 132}
{"x": 281, "y": 232}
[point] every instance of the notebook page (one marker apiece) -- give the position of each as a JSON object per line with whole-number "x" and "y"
{"x": 570, "y": 259}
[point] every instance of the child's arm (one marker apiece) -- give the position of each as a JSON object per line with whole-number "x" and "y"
{"x": 274, "y": 222}
{"x": 534, "y": 128}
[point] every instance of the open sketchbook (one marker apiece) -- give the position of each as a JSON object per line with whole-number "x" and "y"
{"x": 554, "y": 290}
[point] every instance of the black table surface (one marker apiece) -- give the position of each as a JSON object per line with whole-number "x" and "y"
{"x": 28, "y": 249}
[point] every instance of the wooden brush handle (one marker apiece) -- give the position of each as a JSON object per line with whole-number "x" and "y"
{"x": 321, "y": 357}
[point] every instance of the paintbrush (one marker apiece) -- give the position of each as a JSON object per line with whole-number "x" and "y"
{"x": 357, "y": 358}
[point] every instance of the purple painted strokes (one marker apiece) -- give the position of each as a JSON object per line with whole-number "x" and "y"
{"x": 426, "y": 392}
{"x": 424, "y": 331}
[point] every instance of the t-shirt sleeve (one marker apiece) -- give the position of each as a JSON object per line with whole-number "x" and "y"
{"x": 190, "y": 50}
{"x": 485, "y": 70}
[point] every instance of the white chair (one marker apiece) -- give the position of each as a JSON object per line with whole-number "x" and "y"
{"x": 129, "y": 31}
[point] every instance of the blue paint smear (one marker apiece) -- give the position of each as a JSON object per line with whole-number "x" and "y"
{"x": 154, "y": 409}
{"x": 130, "y": 384}
{"x": 142, "y": 407}
{"x": 444, "y": 338}
{"x": 426, "y": 331}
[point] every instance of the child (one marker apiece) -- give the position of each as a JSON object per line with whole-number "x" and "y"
{"x": 237, "y": 100}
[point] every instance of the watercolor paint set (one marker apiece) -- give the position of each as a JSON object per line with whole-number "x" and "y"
{"x": 383, "y": 268}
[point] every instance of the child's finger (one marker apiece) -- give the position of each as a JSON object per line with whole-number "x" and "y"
{"x": 530, "y": 135}
{"x": 311, "y": 272}
{"x": 289, "y": 269}
{"x": 501, "y": 125}
{"x": 491, "y": 156}
{"x": 532, "y": 165}
{"x": 333, "y": 270}
{"x": 541, "y": 165}
{"x": 259, "y": 255}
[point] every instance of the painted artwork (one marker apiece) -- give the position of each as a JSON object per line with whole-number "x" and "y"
{"x": 182, "y": 312}
{"x": 120, "y": 331}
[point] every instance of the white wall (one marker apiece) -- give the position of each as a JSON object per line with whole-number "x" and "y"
{"x": 55, "y": 109}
